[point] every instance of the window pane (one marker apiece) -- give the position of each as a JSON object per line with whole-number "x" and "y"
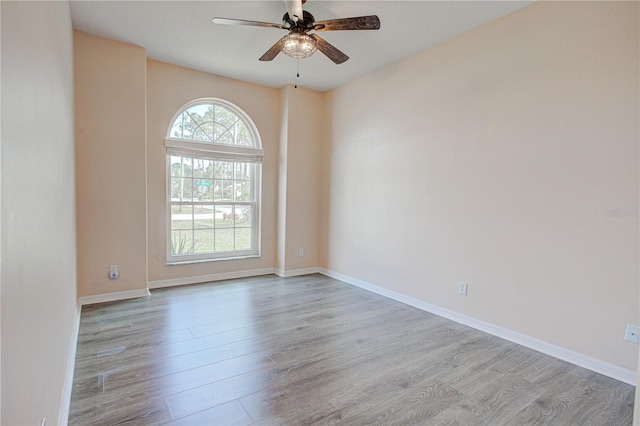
{"x": 177, "y": 165}
{"x": 222, "y": 134}
{"x": 182, "y": 189}
{"x": 175, "y": 189}
{"x": 243, "y": 136}
{"x": 243, "y": 191}
{"x": 197, "y": 123}
{"x": 227, "y": 168}
{"x": 200, "y": 135}
{"x": 224, "y": 240}
{"x": 181, "y": 217}
{"x": 181, "y": 242}
{"x": 223, "y": 170}
{"x": 181, "y": 166}
{"x": 224, "y": 128}
{"x": 187, "y": 125}
{"x": 225, "y": 217}
{"x": 203, "y": 189}
{"x": 203, "y": 168}
{"x": 244, "y": 215}
{"x": 227, "y": 190}
{"x": 243, "y": 238}
{"x": 223, "y": 190}
{"x": 203, "y": 241}
{"x": 244, "y": 171}
{"x": 217, "y": 191}
{"x": 203, "y": 216}
{"x": 176, "y": 129}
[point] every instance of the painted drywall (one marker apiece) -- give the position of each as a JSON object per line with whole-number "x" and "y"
{"x": 38, "y": 242}
{"x": 110, "y": 115}
{"x": 301, "y": 179}
{"x": 507, "y": 158}
{"x": 169, "y": 88}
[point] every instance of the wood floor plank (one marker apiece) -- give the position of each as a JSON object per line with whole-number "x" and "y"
{"x": 407, "y": 375}
{"x": 229, "y": 414}
{"x": 574, "y": 400}
{"x": 419, "y": 406}
{"x": 133, "y": 410}
{"x": 217, "y": 393}
{"x": 301, "y": 403}
{"x": 313, "y": 350}
{"x": 124, "y": 387}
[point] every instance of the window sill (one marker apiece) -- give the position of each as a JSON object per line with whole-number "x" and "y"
{"x": 189, "y": 262}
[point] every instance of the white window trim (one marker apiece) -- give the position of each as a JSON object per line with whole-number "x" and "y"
{"x": 204, "y": 150}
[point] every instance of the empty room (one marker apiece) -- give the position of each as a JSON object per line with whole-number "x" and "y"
{"x": 319, "y": 212}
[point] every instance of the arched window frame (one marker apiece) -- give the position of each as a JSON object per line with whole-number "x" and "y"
{"x": 223, "y": 153}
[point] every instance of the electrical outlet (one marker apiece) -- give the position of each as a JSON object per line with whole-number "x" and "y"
{"x": 632, "y": 334}
{"x": 462, "y": 288}
{"x": 301, "y": 252}
{"x": 113, "y": 272}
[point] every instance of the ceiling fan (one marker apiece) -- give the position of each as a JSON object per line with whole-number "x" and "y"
{"x": 299, "y": 43}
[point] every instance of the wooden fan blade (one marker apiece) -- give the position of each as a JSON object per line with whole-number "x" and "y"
{"x": 273, "y": 51}
{"x": 371, "y": 22}
{"x": 294, "y": 8}
{"x": 227, "y": 21}
{"x": 328, "y": 49}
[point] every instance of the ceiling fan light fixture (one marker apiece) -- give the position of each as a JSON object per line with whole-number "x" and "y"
{"x": 298, "y": 45}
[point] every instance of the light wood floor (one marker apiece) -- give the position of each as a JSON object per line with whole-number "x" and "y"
{"x": 311, "y": 349}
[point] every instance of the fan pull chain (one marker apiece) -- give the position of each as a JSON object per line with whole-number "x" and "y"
{"x": 297, "y": 73}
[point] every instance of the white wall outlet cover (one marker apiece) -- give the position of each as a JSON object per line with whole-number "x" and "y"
{"x": 462, "y": 288}
{"x": 113, "y": 272}
{"x": 632, "y": 334}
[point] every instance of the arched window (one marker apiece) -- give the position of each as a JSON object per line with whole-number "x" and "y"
{"x": 213, "y": 183}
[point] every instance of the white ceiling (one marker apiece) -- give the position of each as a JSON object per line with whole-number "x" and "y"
{"x": 181, "y": 33}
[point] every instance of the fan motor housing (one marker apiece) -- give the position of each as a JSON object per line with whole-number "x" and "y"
{"x": 306, "y": 22}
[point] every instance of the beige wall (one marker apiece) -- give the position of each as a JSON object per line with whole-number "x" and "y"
{"x": 38, "y": 213}
{"x": 305, "y": 128}
{"x": 169, "y": 88}
{"x": 493, "y": 158}
{"x": 110, "y": 100}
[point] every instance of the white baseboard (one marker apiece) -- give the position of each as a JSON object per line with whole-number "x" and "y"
{"x": 112, "y": 297}
{"x": 613, "y": 371}
{"x": 211, "y": 277}
{"x": 65, "y": 403}
{"x": 231, "y": 275}
{"x": 296, "y": 272}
